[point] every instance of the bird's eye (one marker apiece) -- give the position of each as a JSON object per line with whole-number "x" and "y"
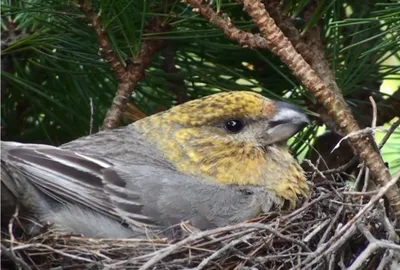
{"x": 234, "y": 125}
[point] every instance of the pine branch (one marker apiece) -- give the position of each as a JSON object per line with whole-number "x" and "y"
{"x": 245, "y": 39}
{"x": 310, "y": 47}
{"x": 129, "y": 76}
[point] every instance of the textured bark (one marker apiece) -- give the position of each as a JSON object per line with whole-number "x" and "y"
{"x": 245, "y": 39}
{"x": 134, "y": 73}
{"x": 310, "y": 47}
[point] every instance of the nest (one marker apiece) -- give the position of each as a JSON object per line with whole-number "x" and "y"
{"x": 334, "y": 229}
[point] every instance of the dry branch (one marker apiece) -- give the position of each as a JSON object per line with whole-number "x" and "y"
{"x": 128, "y": 76}
{"x": 309, "y": 46}
{"x": 245, "y": 39}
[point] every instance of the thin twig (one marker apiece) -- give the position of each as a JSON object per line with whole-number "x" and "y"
{"x": 49, "y": 248}
{"x": 373, "y": 245}
{"x": 222, "y": 21}
{"x": 348, "y": 228}
{"x": 360, "y": 193}
{"x": 333, "y": 221}
{"x": 341, "y": 168}
{"x": 161, "y": 254}
{"x": 293, "y": 214}
{"x": 18, "y": 261}
{"x": 317, "y": 229}
{"x": 91, "y": 116}
{"x": 221, "y": 251}
{"x": 389, "y": 133}
{"x": 374, "y": 112}
{"x": 367, "y": 130}
{"x": 387, "y": 257}
{"x": 373, "y": 126}
{"x": 314, "y": 168}
{"x": 393, "y": 236}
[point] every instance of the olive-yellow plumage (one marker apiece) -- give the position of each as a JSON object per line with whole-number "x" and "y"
{"x": 212, "y": 161}
{"x": 192, "y": 140}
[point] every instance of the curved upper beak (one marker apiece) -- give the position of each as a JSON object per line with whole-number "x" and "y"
{"x": 286, "y": 122}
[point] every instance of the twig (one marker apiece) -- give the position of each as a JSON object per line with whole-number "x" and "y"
{"x": 347, "y": 229}
{"x": 332, "y": 259}
{"x": 334, "y": 243}
{"x": 221, "y": 251}
{"x": 316, "y": 230}
{"x": 366, "y": 180}
{"x": 333, "y": 221}
{"x": 91, "y": 116}
{"x": 10, "y": 254}
{"x": 359, "y": 176}
{"x": 128, "y": 76}
{"x": 264, "y": 259}
{"x": 393, "y": 236}
{"x": 315, "y": 169}
{"x": 341, "y": 168}
{"x": 38, "y": 245}
{"x": 360, "y": 193}
{"x": 293, "y": 214}
{"x": 245, "y": 39}
{"x": 371, "y": 248}
{"x": 389, "y": 133}
{"x": 11, "y": 225}
{"x": 374, "y": 112}
{"x": 387, "y": 257}
{"x": 367, "y": 130}
{"x": 162, "y": 253}
{"x": 373, "y": 126}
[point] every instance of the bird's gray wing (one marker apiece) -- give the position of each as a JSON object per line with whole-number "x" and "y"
{"x": 65, "y": 176}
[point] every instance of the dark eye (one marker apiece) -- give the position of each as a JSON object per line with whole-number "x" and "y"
{"x": 234, "y": 125}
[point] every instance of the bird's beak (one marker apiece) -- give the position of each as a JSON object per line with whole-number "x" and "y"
{"x": 287, "y": 121}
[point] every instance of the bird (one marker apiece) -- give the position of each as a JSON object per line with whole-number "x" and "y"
{"x": 214, "y": 161}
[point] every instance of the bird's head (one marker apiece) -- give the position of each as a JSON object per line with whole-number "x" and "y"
{"x": 233, "y": 138}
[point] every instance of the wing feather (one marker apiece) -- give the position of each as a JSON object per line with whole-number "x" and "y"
{"x": 63, "y": 175}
